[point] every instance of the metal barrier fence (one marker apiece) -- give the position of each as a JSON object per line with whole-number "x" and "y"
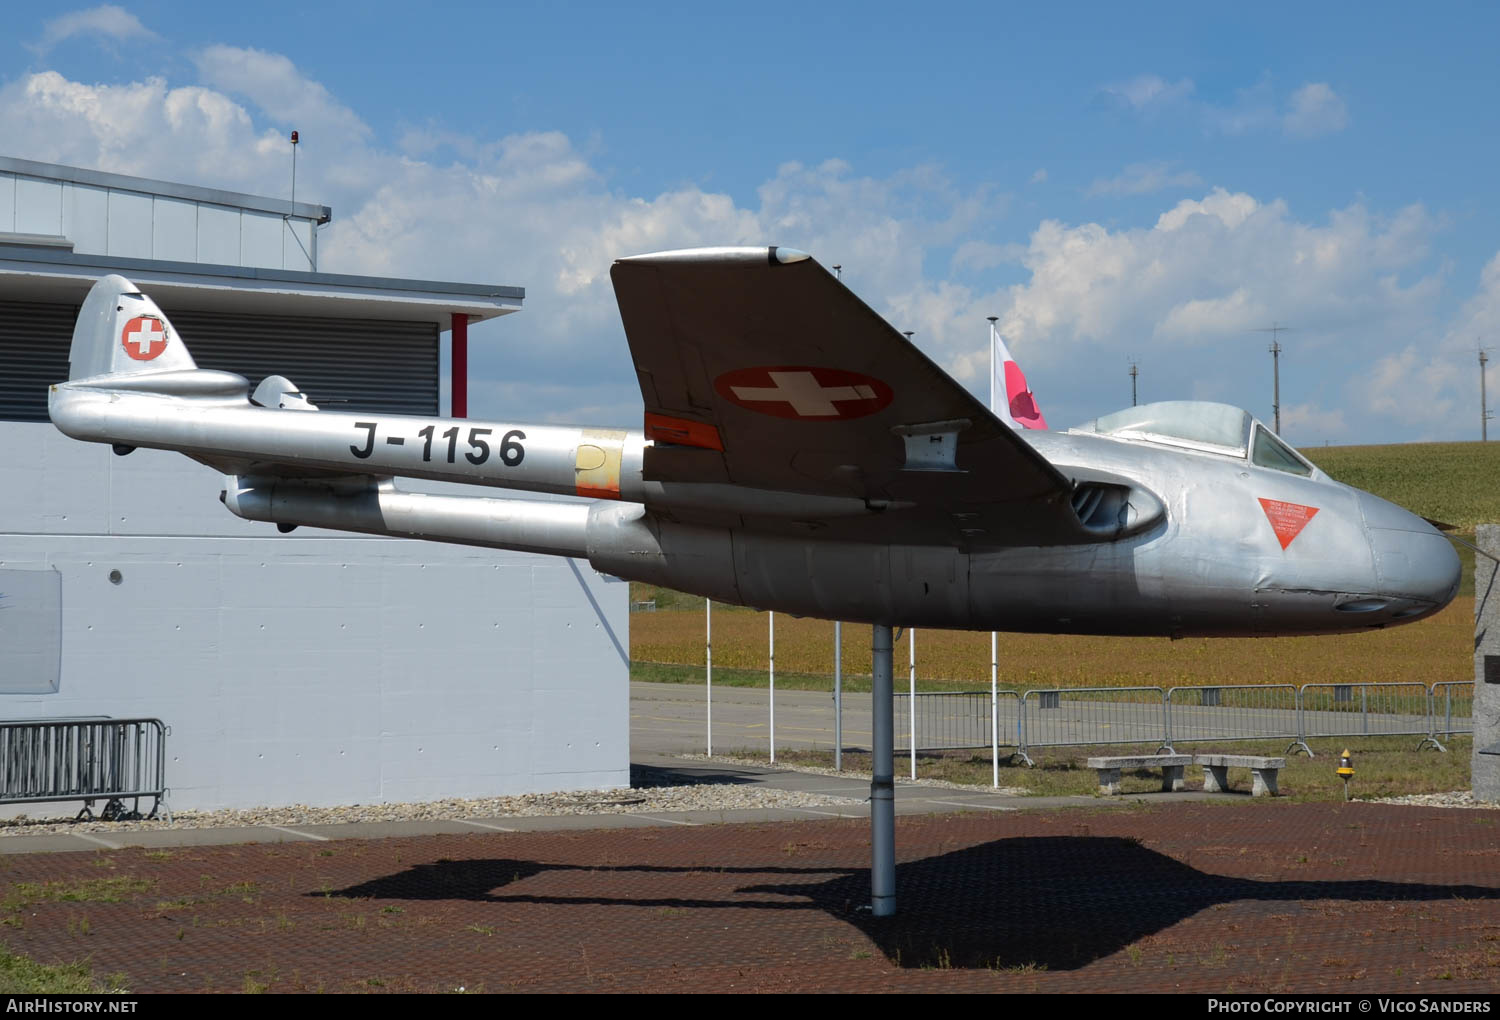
{"x": 954, "y": 720}
{"x": 85, "y": 759}
{"x": 1452, "y": 708}
{"x": 1232, "y": 712}
{"x": 1091, "y": 716}
{"x": 1365, "y": 710}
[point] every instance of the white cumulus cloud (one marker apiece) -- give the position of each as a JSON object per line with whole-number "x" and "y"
{"x": 1315, "y": 109}
{"x": 1181, "y": 290}
{"x": 1145, "y": 92}
{"x": 1144, "y": 178}
{"x": 1431, "y": 385}
{"x": 107, "y": 23}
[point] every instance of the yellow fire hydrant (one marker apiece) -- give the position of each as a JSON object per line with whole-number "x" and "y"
{"x": 1346, "y": 770}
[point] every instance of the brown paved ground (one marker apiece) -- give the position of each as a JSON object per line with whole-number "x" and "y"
{"x": 1266, "y": 897}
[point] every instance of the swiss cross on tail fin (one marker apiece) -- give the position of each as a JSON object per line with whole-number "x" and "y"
{"x": 121, "y": 331}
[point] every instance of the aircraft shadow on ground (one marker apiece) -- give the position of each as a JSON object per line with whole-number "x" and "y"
{"x": 1056, "y": 903}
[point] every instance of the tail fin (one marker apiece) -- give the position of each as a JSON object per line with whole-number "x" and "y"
{"x": 121, "y": 331}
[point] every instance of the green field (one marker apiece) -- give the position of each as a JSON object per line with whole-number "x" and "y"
{"x": 1457, "y": 483}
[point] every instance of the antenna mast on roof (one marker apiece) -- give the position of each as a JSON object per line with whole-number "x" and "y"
{"x": 1275, "y": 329}
{"x": 294, "y": 170}
{"x": 1133, "y": 374}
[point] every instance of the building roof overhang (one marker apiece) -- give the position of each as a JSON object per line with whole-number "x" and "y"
{"x": 30, "y": 273}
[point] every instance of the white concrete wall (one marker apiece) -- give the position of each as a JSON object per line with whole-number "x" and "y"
{"x": 133, "y": 224}
{"x": 315, "y": 667}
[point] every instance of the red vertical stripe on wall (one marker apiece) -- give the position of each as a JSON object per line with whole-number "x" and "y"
{"x": 460, "y": 373}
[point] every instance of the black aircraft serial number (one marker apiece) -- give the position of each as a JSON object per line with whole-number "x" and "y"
{"x": 510, "y": 451}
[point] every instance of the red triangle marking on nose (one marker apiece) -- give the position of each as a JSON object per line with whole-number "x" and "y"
{"x": 1287, "y": 519}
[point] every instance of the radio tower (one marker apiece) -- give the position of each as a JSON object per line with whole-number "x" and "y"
{"x": 1275, "y": 329}
{"x": 1133, "y": 374}
{"x": 1484, "y": 407}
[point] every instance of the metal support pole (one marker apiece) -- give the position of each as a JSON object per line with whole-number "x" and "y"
{"x": 708, "y": 668}
{"x": 911, "y": 700}
{"x": 838, "y": 697}
{"x": 772, "y": 673}
{"x": 882, "y": 778}
{"x": 994, "y": 712}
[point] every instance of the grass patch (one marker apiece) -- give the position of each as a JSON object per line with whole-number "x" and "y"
{"x": 1450, "y": 482}
{"x": 87, "y": 890}
{"x": 20, "y": 975}
{"x": 181, "y": 903}
{"x": 674, "y": 673}
{"x": 1384, "y": 767}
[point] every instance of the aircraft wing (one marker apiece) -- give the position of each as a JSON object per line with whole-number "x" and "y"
{"x": 760, "y": 369}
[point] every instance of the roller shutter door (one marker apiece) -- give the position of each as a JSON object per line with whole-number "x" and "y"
{"x": 34, "y": 341}
{"x": 341, "y": 364}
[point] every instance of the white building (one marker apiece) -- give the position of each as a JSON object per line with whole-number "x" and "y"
{"x": 315, "y": 667}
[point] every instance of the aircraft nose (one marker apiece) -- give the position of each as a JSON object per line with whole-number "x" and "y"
{"x": 1412, "y": 558}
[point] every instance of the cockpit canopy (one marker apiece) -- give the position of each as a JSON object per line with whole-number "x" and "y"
{"x": 1204, "y": 426}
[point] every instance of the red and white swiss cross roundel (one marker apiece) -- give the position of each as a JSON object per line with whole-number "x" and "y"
{"x": 144, "y": 338}
{"x": 804, "y": 392}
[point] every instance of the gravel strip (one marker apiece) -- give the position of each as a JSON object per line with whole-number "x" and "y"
{"x": 1458, "y": 799}
{"x": 704, "y": 796}
{"x": 901, "y": 780}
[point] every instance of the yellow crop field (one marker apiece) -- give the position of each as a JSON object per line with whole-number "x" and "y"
{"x": 1433, "y": 650}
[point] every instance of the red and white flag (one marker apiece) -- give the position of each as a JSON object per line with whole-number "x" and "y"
{"x": 1010, "y": 398}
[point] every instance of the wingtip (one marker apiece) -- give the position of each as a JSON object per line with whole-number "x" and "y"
{"x": 760, "y": 255}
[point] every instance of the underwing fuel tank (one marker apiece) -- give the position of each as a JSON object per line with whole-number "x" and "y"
{"x": 877, "y": 491}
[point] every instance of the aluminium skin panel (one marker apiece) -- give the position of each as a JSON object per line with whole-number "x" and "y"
{"x": 137, "y": 224}
{"x": 38, "y": 206}
{"x": 312, "y": 668}
{"x": 174, "y": 229}
{"x": 130, "y": 226}
{"x": 85, "y": 217}
{"x": 7, "y": 203}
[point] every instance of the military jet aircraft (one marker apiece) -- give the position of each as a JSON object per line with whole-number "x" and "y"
{"x": 800, "y": 455}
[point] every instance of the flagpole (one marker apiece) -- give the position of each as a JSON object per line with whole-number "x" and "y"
{"x": 911, "y": 701}
{"x": 994, "y": 638}
{"x": 993, "y": 319}
{"x": 708, "y": 669}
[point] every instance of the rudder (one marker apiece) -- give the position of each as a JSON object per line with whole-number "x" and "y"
{"x": 121, "y": 331}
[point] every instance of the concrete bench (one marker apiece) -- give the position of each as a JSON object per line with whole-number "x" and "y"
{"x": 1216, "y": 772}
{"x": 1171, "y": 766}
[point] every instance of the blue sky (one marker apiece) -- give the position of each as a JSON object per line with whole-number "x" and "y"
{"x": 1114, "y": 183}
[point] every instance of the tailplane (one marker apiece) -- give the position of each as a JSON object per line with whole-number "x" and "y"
{"x": 121, "y": 331}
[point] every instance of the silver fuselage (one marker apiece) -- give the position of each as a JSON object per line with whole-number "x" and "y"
{"x": 1205, "y": 562}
